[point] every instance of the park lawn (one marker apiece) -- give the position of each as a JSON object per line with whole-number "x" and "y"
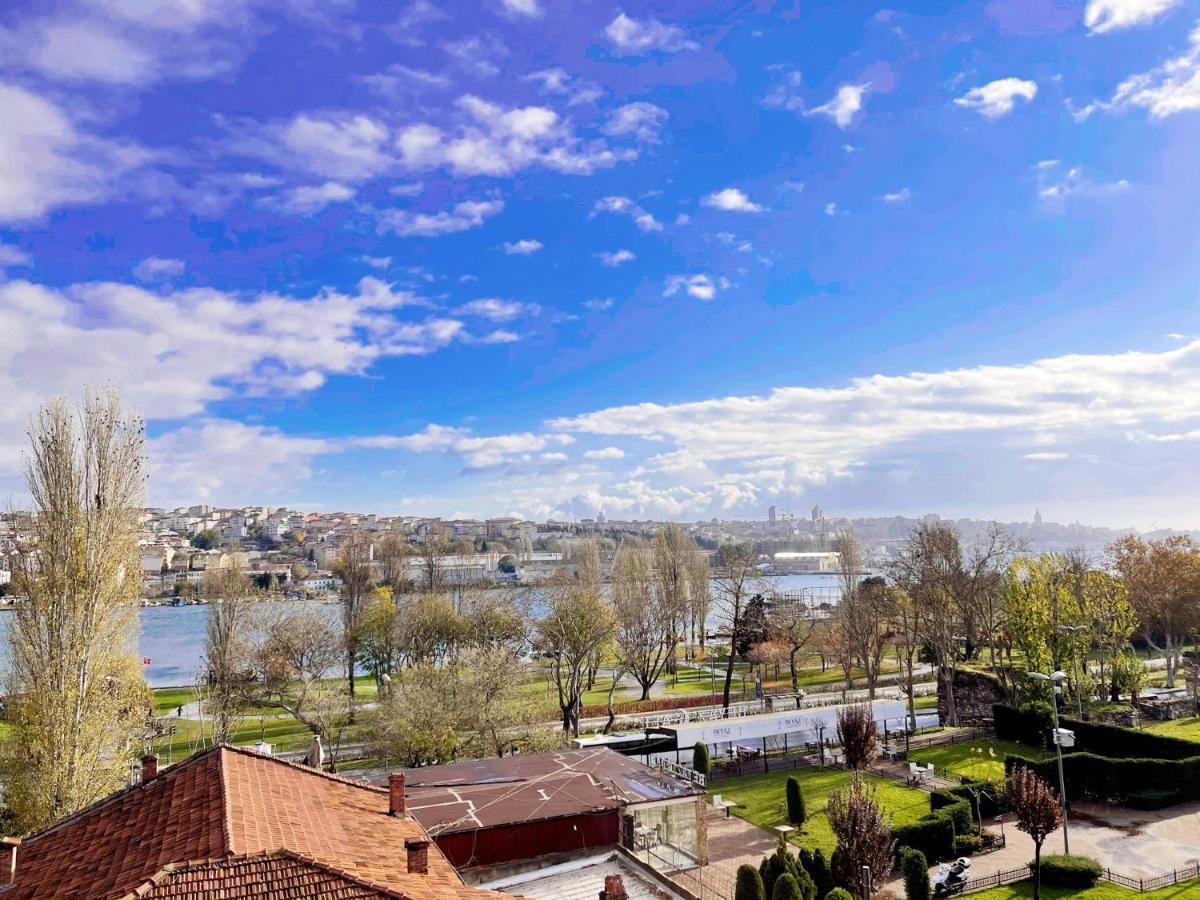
{"x": 762, "y": 801}
{"x": 1187, "y": 729}
{"x": 168, "y": 699}
{"x": 1022, "y": 890}
{"x": 962, "y": 759}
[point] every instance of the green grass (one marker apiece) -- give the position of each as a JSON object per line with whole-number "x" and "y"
{"x": 1186, "y": 729}
{"x": 962, "y": 759}
{"x": 762, "y": 799}
{"x": 168, "y": 699}
{"x": 1103, "y": 891}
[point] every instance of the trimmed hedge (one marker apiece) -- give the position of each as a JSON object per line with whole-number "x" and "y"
{"x": 1031, "y": 724}
{"x": 1060, "y": 870}
{"x": 1118, "y": 742}
{"x": 1152, "y": 798}
{"x": 1107, "y": 780}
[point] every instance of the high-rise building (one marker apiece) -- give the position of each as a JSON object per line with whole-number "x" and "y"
{"x": 771, "y": 515}
{"x": 1037, "y": 517}
{"x": 816, "y": 514}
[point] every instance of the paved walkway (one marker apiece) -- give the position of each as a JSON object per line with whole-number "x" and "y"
{"x": 1136, "y": 843}
{"x": 731, "y": 842}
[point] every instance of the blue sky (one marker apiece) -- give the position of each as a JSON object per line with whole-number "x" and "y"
{"x": 672, "y": 260}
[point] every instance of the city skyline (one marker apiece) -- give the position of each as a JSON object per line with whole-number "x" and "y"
{"x": 667, "y": 261}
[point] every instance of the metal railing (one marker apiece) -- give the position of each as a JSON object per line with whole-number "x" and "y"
{"x": 1152, "y": 884}
{"x": 682, "y": 772}
{"x": 994, "y": 880}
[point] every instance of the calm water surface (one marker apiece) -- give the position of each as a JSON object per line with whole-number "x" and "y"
{"x": 172, "y": 637}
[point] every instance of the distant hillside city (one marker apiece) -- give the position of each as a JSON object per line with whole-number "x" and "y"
{"x": 289, "y": 549}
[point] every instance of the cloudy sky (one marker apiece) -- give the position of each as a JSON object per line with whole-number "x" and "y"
{"x": 675, "y": 259}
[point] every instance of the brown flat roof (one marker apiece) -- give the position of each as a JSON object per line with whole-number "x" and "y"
{"x": 485, "y": 793}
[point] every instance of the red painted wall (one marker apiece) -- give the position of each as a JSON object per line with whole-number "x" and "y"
{"x": 508, "y": 843}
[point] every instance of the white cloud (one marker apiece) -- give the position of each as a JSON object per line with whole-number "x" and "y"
{"x": 498, "y": 310}
{"x": 494, "y": 140}
{"x": 623, "y": 206}
{"x": 462, "y": 217}
{"x": 844, "y": 106}
{"x": 897, "y": 196}
{"x": 347, "y": 146}
{"x": 13, "y": 256}
{"x": 731, "y": 199}
{"x": 1101, "y": 16}
{"x": 555, "y": 456}
{"x": 633, "y": 37}
{"x": 377, "y": 262}
{"x": 477, "y": 452}
{"x": 559, "y": 82}
{"x": 530, "y": 8}
{"x": 1054, "y": 189}
{"x": 797, "y": 437}
{"x": 831, "y": 209}
{"x": 641, "y": 119}
{"x": 616, "y": 257}
{"x": 997, "y": 98}
{"x": 605, "y": 453}
{"x": 399, "y": 81}
{"x": 523, "y": 247}
{"x": 598, "y": 304}
{"x": 308, "y": 199}
{"x": 700, "y": 286}
{"x": 499, "y": 336}
{"x": 156, "y": 268}
{"x": 173, "y": 353}
{"x": 1171, "y": 88}
{"x": 223, "y": 461}
{"x": 786, "y": 94}
{"x": 45, "y": 163}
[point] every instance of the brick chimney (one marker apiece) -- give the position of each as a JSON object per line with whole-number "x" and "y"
{"x": 614, "y": 888}
{"x": 396, "y": 805}
{"x": 8, "y": 858}
{"x": 149, "y": 767}
{"x": 418, "y": 856}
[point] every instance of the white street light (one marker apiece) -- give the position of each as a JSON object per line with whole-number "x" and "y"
{"x": 1056, "y": 679}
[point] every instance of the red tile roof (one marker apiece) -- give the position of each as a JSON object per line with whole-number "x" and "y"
{"x": 228, "y": 803}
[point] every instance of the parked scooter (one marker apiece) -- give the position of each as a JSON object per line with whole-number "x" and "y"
{"x": 951, "y": 878}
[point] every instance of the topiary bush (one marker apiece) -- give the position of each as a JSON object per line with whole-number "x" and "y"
{"x": 749, "y": 885}
{"x": 1030, "y": 724}
{"x": 700, "y": 759}
{"x": 786, "y": 889}
{"x": 967, "y": 844}
{"x": 1073, "y": 871}
{"x": 781, "y": 863}
{"x": 838, "y": 894}
{"x": 916, "y": 874}
{"x": 818, "y": 868}
{"x": 933, "y": 836}
{"x": 795, "y": 802}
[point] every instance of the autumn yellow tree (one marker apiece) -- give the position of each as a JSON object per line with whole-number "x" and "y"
{"x": 78, "y": 703}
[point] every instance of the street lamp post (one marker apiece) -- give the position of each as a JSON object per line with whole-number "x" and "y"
{"x": 1055, "y": 680}
{"x": 1075, "y": 629}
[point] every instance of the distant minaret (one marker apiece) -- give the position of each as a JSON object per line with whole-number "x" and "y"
{"x": 1037, "y": 517}
{"x": 816, "y": 514}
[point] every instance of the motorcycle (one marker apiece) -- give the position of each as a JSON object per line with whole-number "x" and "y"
{"x": 951, "y": 878}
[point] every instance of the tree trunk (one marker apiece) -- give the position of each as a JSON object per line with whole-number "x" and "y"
{"x": 795, "y": 674}
{"x": 1037, "y": 871}
{"x": 351, "y": 649}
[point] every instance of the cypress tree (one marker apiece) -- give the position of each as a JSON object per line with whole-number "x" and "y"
{"x": 786, "y": 889}
{"x": 749, "y": 885}
{"x": 916, "y": 874}
{"x": 700, "y": 761}
{"x": 795, "y": 803}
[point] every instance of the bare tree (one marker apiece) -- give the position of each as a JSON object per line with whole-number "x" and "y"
{"x": 699, "y": 597}
{"x": 225, "y": 648}
{"x": 433, "y": 566}
{"x": 864, "y": 835}
{"x": 793, "y": 624}
{"x": 908, "y": 647}
{"x": 1038, "y": 814}
{"x": 393, "y": 556}
{"x": 866, "y": 615}
{"x": 576, "y": 623}
{"x": 674, "y": 552}
{"x": 353, "y": 567}
{"x": 77, "y": 701}
{"x": 293, "y": 649}
{"x": 496, "y": 716}
{"x": 734, "y": 575}
{"x": 644, "y": 621}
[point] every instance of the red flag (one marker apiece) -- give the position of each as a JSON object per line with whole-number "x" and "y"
{"x": 145, "y": 660}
